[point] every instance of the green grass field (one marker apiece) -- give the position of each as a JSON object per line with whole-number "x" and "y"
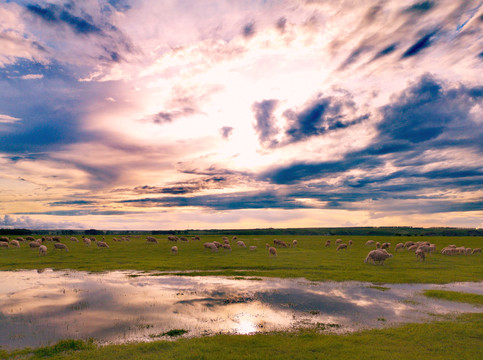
{"x": 460, "y": 338}
{"x": 310, "y": 259}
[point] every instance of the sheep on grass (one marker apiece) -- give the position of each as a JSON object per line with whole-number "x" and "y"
{"x": 61, "y": 246}
{"x": 342, "y": 247}
{"x": 327, "y": 243}
{"x": 174, "y": 250}
{"x": 42, "y": 250}
{"x": 378, "y": 256}
{"x": 102, "y": 244}
{"x": 272, "y": 251}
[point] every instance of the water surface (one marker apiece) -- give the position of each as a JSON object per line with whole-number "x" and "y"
{"x": 41, "y": 308}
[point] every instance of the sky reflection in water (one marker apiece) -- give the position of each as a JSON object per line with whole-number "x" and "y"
{"x": 41, "y": 308}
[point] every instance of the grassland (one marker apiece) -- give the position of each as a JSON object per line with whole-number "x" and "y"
{"x": 455, "y": 296}
{"x": 310, "y": 259}
{"x": 461, "y": 339}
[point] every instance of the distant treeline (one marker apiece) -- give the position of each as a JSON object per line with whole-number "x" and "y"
{"x": 363, "y": 231}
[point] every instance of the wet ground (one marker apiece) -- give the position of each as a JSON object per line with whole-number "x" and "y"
{"x": 41, "y": 308}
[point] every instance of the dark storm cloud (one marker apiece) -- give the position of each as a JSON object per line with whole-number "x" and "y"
{"x": 386, "y": 51}
{"x": 232, "y": 201}
{"x": 72, "y": 202}
{"x": 187, "y": 187}
{"x": 163, "y": 117}
{"x": 420, "y": 7}
{"x": 79, "y": 212}
{"x": 226, "y": 132}
{"x": 265, "y": 125}
{"x": 324, "y": 114}
{"x": 425, "y": 116}
{"x": 354, "y": 56}
{"x": 424, "y": 42}
{"x": 248, "y": 30}
{"x": 60, "y": 15}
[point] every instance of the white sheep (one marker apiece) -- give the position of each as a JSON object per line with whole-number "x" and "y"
{"x": 226, "y": 241}
{"x": 266, "y": 245}
{"x": 272, "y": 251}
{"x": 227, "y": 247}
{"x": 407, "y": 244}
{"x": 4, "y": 244}
{"x": 342, "y": 247}
{"x": 36, "y": 243}
{"x": 378, "y": 255}
{"x": 350, "y": 242}
{"x": 61, "y": 246}
{"x": 234, "y": 238}
{"x": 399, "y": 246}
{"x": 42, "y": 250}
{"x": 217, "y": 244}
{"x": 74, "y": 239}
{"x": 294, "y": 243}
{"x": 252, "y": 248}
{"x": 87, "y": 241}
{"x": 280, "y": 243}
{"x": 468, "y": 251}
{"x": 241, "y": 243}
{"x": 338, "y": 241}
{"x": 369, "y": 242}
{"x": 420, "y": 254}
{"x": 476, "y": 250}
{"x": 327, "y": 243}
{"x": 174, "y": 250}
{"x": 211, "y": 246}
{"x": 15, "y": 243}
{"x": 173, "y": 238}
{"x": 385, "y": 245}
{"x": 102, "y": 244}
{"x": 413, "y": 247}
{"x": 182, "y": 238}
{"x": 152, "y": 240}
{"x": 378, "y": 245}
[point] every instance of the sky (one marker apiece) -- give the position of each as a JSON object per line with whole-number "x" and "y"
{"x": 145, "y": 115}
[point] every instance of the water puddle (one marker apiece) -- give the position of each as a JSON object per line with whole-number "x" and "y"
{"x": 38, "y": 309}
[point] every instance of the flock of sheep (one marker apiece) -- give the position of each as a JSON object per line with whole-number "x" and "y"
{"x": 376, "y": 256}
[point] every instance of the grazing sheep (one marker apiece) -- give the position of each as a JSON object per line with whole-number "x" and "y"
{"x": 378, "y": 245}
{"x": 29, "y": 238}
{"x": 224, "y": 238}
{"x": 413, "y": 247}
{"x": 152, "y": 240}
{"x": 272, "y": 251}
{"x": 449, "y": 251}
{"x": 252, "y": 248}
{"x": 102, "y": 244}
{"x": 56, "y": 238}
{"x": 327, "y": 243}
{"x": 197, "y": 238}
{"x": 217, "y": 244}
{"x": 87, "y": 241}
{"x": 35, "y": 244}
{"x": 174, "y": 250}
{"x": 338, "y": 241}
{"x": 350, "y": 242}
{"x": 20, "y": 239}
{"x": 61, "y": 246}
{"x": 280, "y": 243}
{"x": 420, "y": 254}
{"x": 432, "y": 248}
{"x": 93, "y": 239}
{"x": 42, "y": 250}
{"x": 266, "y": 245}
{"x": 370, "y": 242}
{"x": 209, "y": 245}
{"x": 234, "y": 238}
{"x": 452, "y": 246}
{"x": 4, "y": 239}
{"x": 385, "y": 245}
{"x": 377, "y": 256}
{"x": 4, "y": 244}
{"x": 461, "y": 250}
{"x": 407, "y": 244}
{"x": 172, "y": 238}
{"x": 342, "y": 247}
{"x": 294, "y": 243}
{"x": 182, "y": 238}
{"x": 241, "y": 243}
{"x": 424, "y": 248}
{"x": 74, "y": 239}
{"x": 476, "y": 250}
{"x": 15, "y": 243}
{"x": 399, "y": 246}
{"x": 226, "y": 241}
{"x": 468, "y": 251}
{"x": 227, "y": 247}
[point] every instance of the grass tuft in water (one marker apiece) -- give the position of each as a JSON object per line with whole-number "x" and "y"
{"x": 381, "y": 288}
{"x": 454, "y": 296}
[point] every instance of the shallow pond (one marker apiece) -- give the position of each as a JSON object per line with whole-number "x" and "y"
{"x": 40, "y": 308}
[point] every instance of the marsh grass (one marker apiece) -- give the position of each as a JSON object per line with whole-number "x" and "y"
{"x": 454, "y": 296}
{"x": 460, "y": 338}
{"x": 310, "y": 259}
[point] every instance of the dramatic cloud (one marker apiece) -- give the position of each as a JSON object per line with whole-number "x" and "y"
{"x": 130, "y": 114}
